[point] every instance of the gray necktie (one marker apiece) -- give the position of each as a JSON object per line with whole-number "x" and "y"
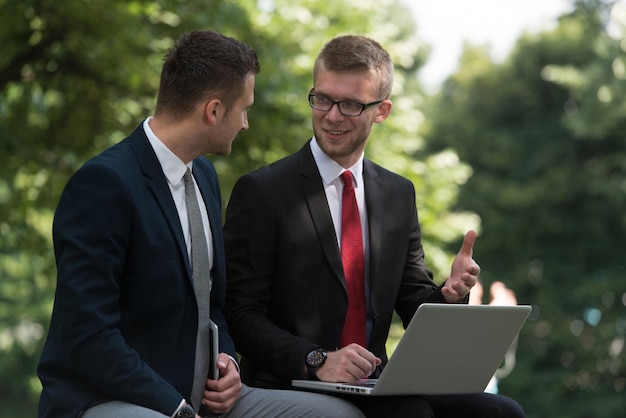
{"x": 202, "y": 287}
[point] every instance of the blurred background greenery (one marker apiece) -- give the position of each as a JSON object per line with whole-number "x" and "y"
{"x": 531, "y": 151}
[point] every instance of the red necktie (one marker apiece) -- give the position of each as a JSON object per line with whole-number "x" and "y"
{"x": 353, "y": 265}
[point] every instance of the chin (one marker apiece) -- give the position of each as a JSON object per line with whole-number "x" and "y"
{"x": 223, "y": 152}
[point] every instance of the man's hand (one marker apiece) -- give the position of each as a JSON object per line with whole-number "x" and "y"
{"x": 220, "y": 395}
{"x": 349, "y": 364}
{"x": 502, "y": 295}
{"x": 464, "y": 272}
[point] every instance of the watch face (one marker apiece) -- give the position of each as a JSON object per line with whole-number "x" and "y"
{"x": 186, "y": 412}
{"x": 316, "y": 358}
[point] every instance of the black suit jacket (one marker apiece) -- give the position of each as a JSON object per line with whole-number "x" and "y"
{"x": 286, "y": 289}
{"x": 124, "y": 321}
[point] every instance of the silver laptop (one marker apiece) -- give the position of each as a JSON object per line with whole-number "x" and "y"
{"x": 446, "y": 349}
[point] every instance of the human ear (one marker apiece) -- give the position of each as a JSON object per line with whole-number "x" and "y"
{"x": 384, "y": 109}
{"x": 213, "y": 111}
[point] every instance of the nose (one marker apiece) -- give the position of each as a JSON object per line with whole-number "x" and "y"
{"x": 334, "y": 113}
{"x": 245, "y": 125}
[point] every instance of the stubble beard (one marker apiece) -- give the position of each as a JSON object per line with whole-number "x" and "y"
{"x": 342, "y": 150}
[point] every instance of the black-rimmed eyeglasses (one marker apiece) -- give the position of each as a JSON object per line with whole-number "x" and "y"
{"x": 324, "y": 104}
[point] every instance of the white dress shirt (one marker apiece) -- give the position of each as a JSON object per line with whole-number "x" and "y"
{"x": 333, "y": 187}
{"x": 174, "y": 170}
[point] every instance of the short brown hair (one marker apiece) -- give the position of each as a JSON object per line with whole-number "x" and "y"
{"x": 203, "y": 63}
{"x": 357, "y": 53}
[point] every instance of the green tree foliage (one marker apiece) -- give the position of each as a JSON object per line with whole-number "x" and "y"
{"x": 76, "y": 76}
{"x": 544, "y": 134}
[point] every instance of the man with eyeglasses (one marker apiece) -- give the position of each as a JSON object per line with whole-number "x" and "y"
{"x": 324, "y": 244}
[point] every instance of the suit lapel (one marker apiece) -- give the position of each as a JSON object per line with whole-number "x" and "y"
{"x": 157, "y": 183}
{"x": 318, "y": 207}
{"x": 379, "y": 208}
{"x": 375, "y": 208}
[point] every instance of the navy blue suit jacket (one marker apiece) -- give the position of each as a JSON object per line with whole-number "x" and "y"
{"x": 124, "y": 321}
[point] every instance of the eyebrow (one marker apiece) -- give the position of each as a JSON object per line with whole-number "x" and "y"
{"x": 344, "y": 99}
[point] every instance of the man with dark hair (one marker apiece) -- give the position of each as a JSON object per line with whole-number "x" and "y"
{"x": 141, "y": 271}
{"x": 323, "y": 245}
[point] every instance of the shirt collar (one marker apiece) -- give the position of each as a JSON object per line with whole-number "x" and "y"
{"x": 172, "y": 166}
{"x": 330, "y": 170}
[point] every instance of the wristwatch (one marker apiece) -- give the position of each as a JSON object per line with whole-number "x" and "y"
{"x": 185, "y": 412}
{"x": 314, "y": 360}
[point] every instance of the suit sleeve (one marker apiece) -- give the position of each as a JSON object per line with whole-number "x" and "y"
{"x": 416, "y": 274}
{"x": 417, "y": 284}
{"x": 91, "y": 231}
